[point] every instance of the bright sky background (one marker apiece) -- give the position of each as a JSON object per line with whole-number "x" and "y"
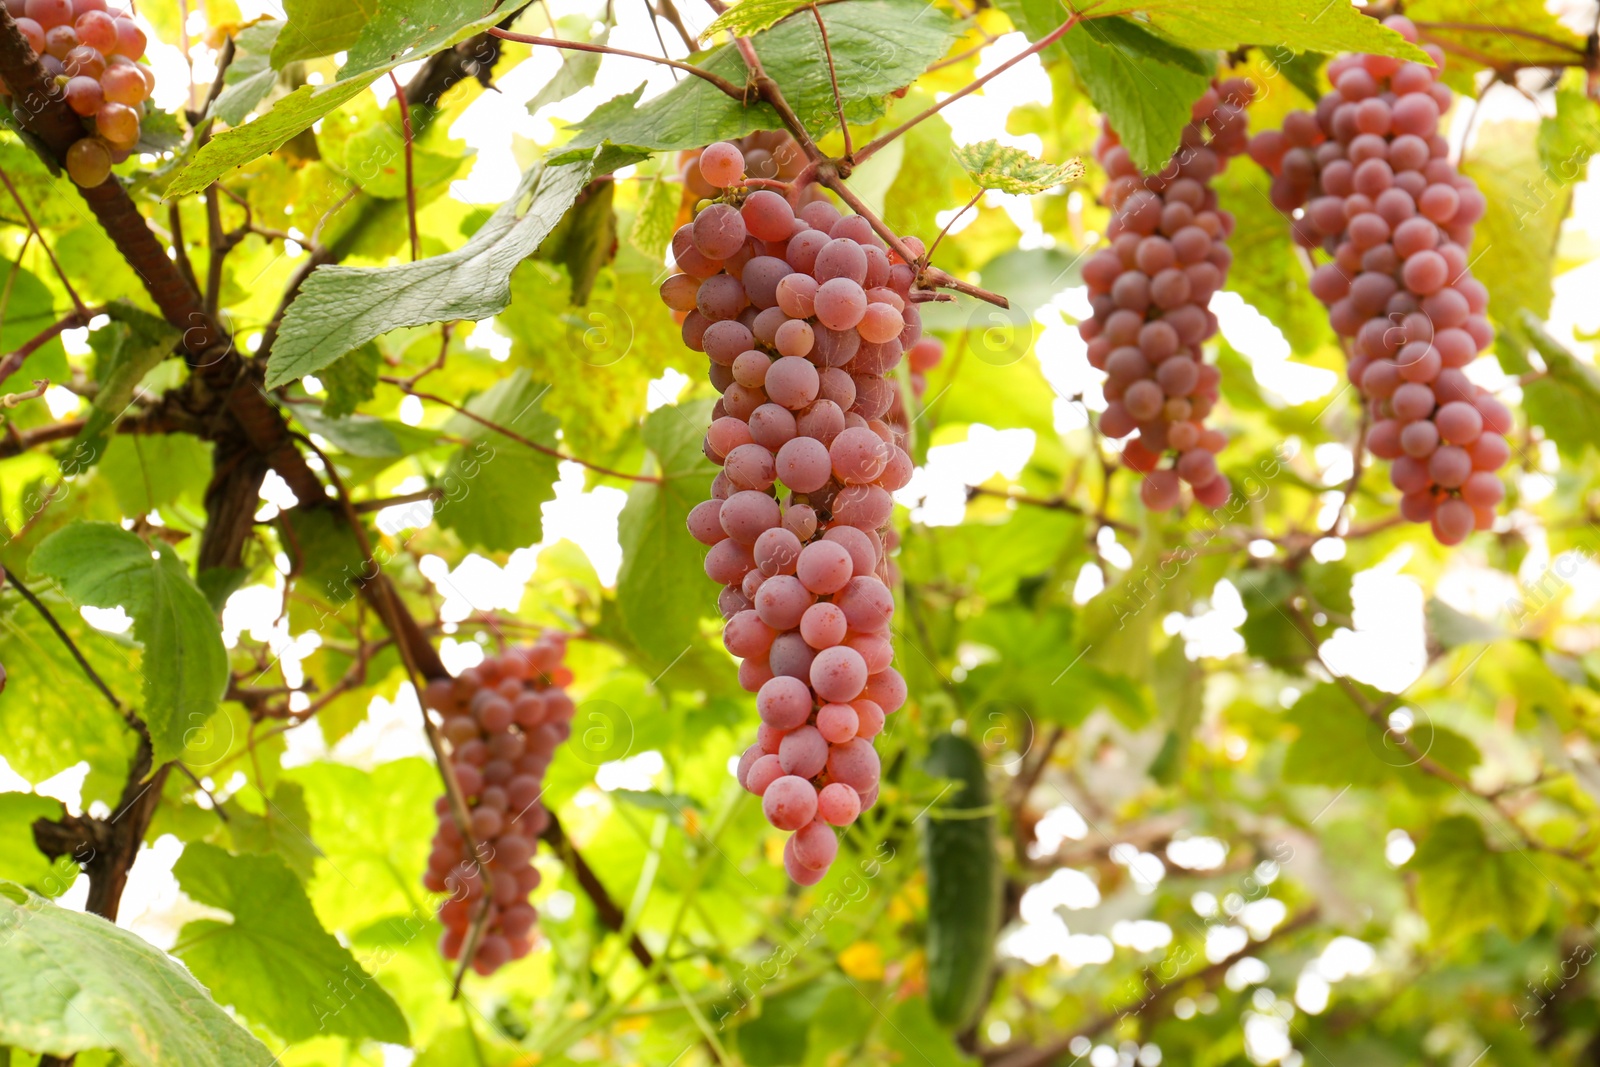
{"x": 1385, "y": 649}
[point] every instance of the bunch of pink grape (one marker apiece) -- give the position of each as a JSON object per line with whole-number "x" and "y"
{"x": 1150, "y": 292}
{"x": 503, "y": 720}
{"x": 91, "y": 53}
{"x": 802, "y": 315}
{"x": 1381, "y": 196}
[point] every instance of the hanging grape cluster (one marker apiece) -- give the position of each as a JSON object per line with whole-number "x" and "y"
{"x": 1150, "y": 292}
{"x": 1379, "y": 193}
{"x": 503, "y": 720}
{"x": 802, "y": 315}
{"x": 92, "y": 54}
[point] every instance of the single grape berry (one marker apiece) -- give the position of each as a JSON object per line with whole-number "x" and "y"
{"x": 89, "y": 162}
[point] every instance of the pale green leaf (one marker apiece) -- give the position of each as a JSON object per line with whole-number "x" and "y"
{"x": 71, "y": 982}
{"x": 661, "y": 588}
{"x": 238, "y": 146}
{"x": 274, "y": 962}
{"x": 185, "y": 664}
{"x": 350, "y": 380}
{"x": 751, "y": 16}
{"x": 250, "y": 77}
{"x": 1299, "y": 25}
{"x": 1143, "y": 85}
{"x": 652, "y": 224}
{"x": 320, "y": 28}
{"x": 993, "y": 165}
{"x": 577, "y": 68}
{"x": 403, "y": 31}
{"x": 1463, "y": 885}
{"x": 340, "y": 308}
{"x": 1515, "y": 246}
{"x": 494, "y": 485}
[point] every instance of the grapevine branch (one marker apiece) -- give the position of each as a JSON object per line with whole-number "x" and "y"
{"x": 73, "y": 320}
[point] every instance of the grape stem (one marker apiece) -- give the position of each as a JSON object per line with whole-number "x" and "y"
{"x": 721, "y": 83}
{"x": 1507, "y": 31}
{"x": 871, "y": 147}
{"x": 406, "y": 387}
{"x": 833, "y": 78}
{"x": 411, "y": 185}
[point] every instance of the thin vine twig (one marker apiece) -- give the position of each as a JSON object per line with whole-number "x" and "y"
{"x": 833, "y": 78}
{"x": 583, "y": 46}
{"x": 33, "y": 227}
{"x": 66, "y": 639}
{"x": 411, "y": 184}
{"x": 404, "y": 386}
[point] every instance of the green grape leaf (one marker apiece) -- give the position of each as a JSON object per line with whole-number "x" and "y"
{"x": 878, "y": 46}
{"x": 340, "y": 308}
{"x": 367, "y": 436}
{"x": 1515, "y": 247}
{"x": 282, "y": 827}
{"x": 585, "y": 239}
{"x": 404, "y": 31}
{"x": 1299, "y": 25}
{"x": 274, "y": 962}
{"x": 72, "y": 982}
{"x": 1570, "y": 137}
{"x": 320, "y": 28}
{"x": 133, "y": 345}
{"x": 751, "y": 16}
{"x": 149, "y": 471}
{"x": 1144, "y": 86}
{"x": 250, "y": 77}
{"x": 661, "y": 589}
{"x": 351, "y": 380}
{"x": 577, "y": 69}
{"x": 652, "y": 224}
{"x": 1565, "y": 401}
{"x": 185, "y": 664}
{"x": 1339, "y": 746}
{"x": 1463, "y": 885}
{"x": 1011, "y": 170}
{"x": 20, "y": 859}
{"x": 64, "y": 718}
{"x": 237, "y": 146}
{"x": 494, "y": 485}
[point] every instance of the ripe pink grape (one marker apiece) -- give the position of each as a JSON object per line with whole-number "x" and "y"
{"x": 502, "y": 720}
{"x": 1149, "y": 292}
{"x": 804, "y": 315}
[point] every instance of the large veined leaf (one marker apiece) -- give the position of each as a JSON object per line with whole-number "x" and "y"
{"x": 274, "y": 962}
{"x": 878, "y": 46}
{"x": 341, "y": 308}
{"x": 185, "y": 665}
{"x": 250, "y": 77}
{"x": 72, "y": 982}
